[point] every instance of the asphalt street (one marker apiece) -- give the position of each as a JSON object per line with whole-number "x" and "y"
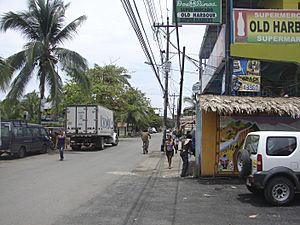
{"x": 122, "y": 186}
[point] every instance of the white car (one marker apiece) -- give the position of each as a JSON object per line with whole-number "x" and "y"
{"x": 270, "y": 162}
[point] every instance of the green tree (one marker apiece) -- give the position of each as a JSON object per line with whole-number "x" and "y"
{"x": 30, "y": 105}
{"x": 43, "y": 25}
{"x": 137, "y": 109}
{"x": 11, "y": 110}
{"x": 5, "y": 71}
{"x": 190, "y": 110}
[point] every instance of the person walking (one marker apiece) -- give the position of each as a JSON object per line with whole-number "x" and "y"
{"x": 169, "y": 149}
{"x": 61, "y": 140}
{"x": 184, "y": 154}
{"x": 145, "y": 136}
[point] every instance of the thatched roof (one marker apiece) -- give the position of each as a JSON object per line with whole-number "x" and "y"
{"x": 227, "y": 105}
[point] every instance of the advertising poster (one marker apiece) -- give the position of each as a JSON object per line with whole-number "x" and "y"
{"x": 198, "y": 12}
{"x": 246, "y": 76}
{"x": 234, "y": 129}
{"x": 266, "y": 26}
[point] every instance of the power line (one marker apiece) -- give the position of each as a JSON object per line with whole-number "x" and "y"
{"x": 145, "y": 45}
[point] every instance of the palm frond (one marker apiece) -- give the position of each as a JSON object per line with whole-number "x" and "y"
{"x": 68, "y": 32}
{"x": 20, "y": 82}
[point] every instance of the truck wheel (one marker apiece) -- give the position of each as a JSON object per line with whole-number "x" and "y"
{"x": 101, "y": 143}
{"x": 21, "y": 152}
{"x": 243, "y": 163}
{"x": 279, "y": 191}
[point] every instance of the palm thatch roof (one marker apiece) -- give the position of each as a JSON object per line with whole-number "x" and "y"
{"x": 227, "y": 105}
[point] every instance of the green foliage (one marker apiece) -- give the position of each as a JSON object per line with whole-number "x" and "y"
{"x": 44, "y": 27}
{"x": 110, "y": 88}
{"x": 190, "y": 110}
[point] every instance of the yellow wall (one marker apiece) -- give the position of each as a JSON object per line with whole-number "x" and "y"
{"x": 273, "y": 4}
{"x": 281, "y": 4}
{"x": 273, "y": 52}
{"x": 209, "y": 143}
{"x": 290, "y": 4}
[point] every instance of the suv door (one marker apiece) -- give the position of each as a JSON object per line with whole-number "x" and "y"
{"x": 36, "y": 139}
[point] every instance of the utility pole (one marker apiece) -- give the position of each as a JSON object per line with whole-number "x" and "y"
{"x": 228, "y": 60}
{"x": 180, "y": 91}
{"x": 173, "y": 108}
{"x": 166, "y": 94}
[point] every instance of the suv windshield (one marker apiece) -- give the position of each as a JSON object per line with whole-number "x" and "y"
{"x": 251, "y": 143}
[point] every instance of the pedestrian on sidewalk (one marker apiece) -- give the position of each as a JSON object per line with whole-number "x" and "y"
{"x": 169, "y": 149}
{"x": 61, "y": 141}
{"x": 145, "y": 136}
{"x": 184, "y": 154}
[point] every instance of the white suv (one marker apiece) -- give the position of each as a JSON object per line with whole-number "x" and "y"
{"x": 270, "y": 162}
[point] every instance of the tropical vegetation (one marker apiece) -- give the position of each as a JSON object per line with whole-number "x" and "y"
{"x": 43, "y": 26}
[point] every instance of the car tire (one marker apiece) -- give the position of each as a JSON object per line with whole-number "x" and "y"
{"x": 279, "y": 191}
{"x": 21, "y": 152}
{"x": 116, "y": 141}
{"x": 243, "y": 163}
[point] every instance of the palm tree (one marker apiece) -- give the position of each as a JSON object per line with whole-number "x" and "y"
{"x": 5, "y": 71}
{"x": 30, "y": 104}
{"x": 190, "y": 110}
{"x": 43, "y": 25}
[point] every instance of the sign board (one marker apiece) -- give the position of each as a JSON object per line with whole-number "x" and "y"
{"x": 197, "y": 88}
{"x": 266, "y": 26}
{"x": 198, "y": 12}
{"x": 246, "y": 75}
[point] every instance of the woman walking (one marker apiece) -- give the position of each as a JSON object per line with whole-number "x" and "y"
{"x": 169, "y": 148}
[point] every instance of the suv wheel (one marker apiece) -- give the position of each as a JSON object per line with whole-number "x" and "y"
{"x": 21, "y": 152}
{"x": 243, "y": 163}
{"x": 279, "y": 191}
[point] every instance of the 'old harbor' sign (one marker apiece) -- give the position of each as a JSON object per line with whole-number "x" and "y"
{"x": 198, "y": 12}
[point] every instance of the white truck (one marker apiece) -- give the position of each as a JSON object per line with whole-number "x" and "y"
{"x": 90, "y": 126}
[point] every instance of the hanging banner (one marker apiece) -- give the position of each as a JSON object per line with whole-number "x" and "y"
{"x": 246, "y": 76}
{"x": 198, "y": 12}
{"x": 266, "y": 26}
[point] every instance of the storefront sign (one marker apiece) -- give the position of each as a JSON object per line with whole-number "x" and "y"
{"x": 198, "y": 12}
{"x": 246, "y": 75}
{"x": 266, "y": 26}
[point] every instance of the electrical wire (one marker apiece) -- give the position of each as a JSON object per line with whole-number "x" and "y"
{"x": 145, "y": 45}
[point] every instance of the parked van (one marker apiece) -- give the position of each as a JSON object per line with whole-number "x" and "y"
{"x": 17, "y": 138}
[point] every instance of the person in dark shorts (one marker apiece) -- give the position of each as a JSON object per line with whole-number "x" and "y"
{"x": 61, "y": 140}
{"x": 169, "y": 149}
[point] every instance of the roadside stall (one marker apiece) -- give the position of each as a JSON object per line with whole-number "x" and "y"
{"x": 226, "y": 120}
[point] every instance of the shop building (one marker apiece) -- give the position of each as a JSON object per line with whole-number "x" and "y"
{"x": 250, "y": 78}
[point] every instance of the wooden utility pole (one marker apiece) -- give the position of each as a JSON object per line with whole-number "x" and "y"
{"x": 180, "y": 91}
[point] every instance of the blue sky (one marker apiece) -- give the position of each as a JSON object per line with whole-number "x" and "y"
{"x": 107, "y": 37}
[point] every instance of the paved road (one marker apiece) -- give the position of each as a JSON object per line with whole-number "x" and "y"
{"x": 122, "y": 186}
{"x": 37, "y": 189}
